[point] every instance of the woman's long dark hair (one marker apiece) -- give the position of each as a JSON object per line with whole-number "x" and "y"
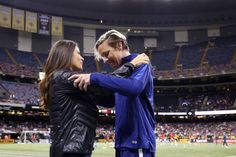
{"x": 59, "y": 58}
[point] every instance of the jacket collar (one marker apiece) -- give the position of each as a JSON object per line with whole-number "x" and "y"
{"x": 129, "y": 58}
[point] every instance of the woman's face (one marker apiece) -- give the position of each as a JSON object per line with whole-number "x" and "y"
{"x": 77, "y": 60}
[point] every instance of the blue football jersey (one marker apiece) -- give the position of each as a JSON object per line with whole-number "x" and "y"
{"x": 134, "y": 117}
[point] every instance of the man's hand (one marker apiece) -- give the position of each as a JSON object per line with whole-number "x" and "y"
{"x": 81, "y": 80}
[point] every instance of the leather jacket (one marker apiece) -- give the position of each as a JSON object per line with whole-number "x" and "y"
{"x": 74, "y": 114}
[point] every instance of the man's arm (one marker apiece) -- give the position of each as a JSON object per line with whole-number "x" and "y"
{"x": 84, "y": 81}
{"x": 126, "y": 86}
{"x": 104, "y": 96}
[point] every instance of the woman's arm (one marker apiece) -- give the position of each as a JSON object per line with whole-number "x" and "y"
{"x": 127, "y": 69}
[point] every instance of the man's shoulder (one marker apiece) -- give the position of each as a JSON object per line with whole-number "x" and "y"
{"x": 144, "y": 67}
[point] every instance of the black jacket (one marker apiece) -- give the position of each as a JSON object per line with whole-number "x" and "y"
{"x": 74, "y": 114}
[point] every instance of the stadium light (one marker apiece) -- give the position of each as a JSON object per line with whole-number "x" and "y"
{"x": 172, "y": 113}
{"x": 219, "y": 112}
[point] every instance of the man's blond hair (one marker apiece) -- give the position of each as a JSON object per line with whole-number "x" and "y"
{"x": 113, "y": 36}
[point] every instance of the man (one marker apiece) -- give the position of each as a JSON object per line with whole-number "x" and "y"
{"x": 225, "y": 144}
{"x": 135, "y": 120}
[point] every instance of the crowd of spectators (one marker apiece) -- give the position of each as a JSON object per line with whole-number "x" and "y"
{"x": 106, "y": 132}
{"x": 12, "y": 126}
{"x": 202, "y": 102}
{"x": 187, "y": 130}
{"x": 28, "y": 94}
{"x": 22, "y": 93}
{"x": 163, "y": 130}
{"x": 22, "y": 71}
{"x": 218, "y": 60}
{"x": 196, "y": 72}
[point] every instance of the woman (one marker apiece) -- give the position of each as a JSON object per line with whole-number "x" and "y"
{"x": 73, "y": 112}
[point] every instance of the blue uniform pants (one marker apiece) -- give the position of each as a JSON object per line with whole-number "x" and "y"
{"x": 134, "y": 153}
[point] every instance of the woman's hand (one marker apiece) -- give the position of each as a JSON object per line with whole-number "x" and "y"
{"x": 140, "y": 59}
{"x": 81, "y": 80}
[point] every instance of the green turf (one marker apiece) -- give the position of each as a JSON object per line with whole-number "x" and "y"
{"x": 106, "y": 150}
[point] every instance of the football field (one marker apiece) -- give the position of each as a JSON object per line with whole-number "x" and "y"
{"x": 106, "y": 150}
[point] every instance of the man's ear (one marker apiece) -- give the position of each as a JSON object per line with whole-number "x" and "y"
{"x": 119, "y": 45}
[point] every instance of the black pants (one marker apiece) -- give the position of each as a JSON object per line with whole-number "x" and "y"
{"x": 76, "y": 155}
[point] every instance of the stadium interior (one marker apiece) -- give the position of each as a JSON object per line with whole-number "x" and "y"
{"x": 191, "y": 45}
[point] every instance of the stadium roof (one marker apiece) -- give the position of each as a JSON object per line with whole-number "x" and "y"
{"x": 131, "y": 11}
